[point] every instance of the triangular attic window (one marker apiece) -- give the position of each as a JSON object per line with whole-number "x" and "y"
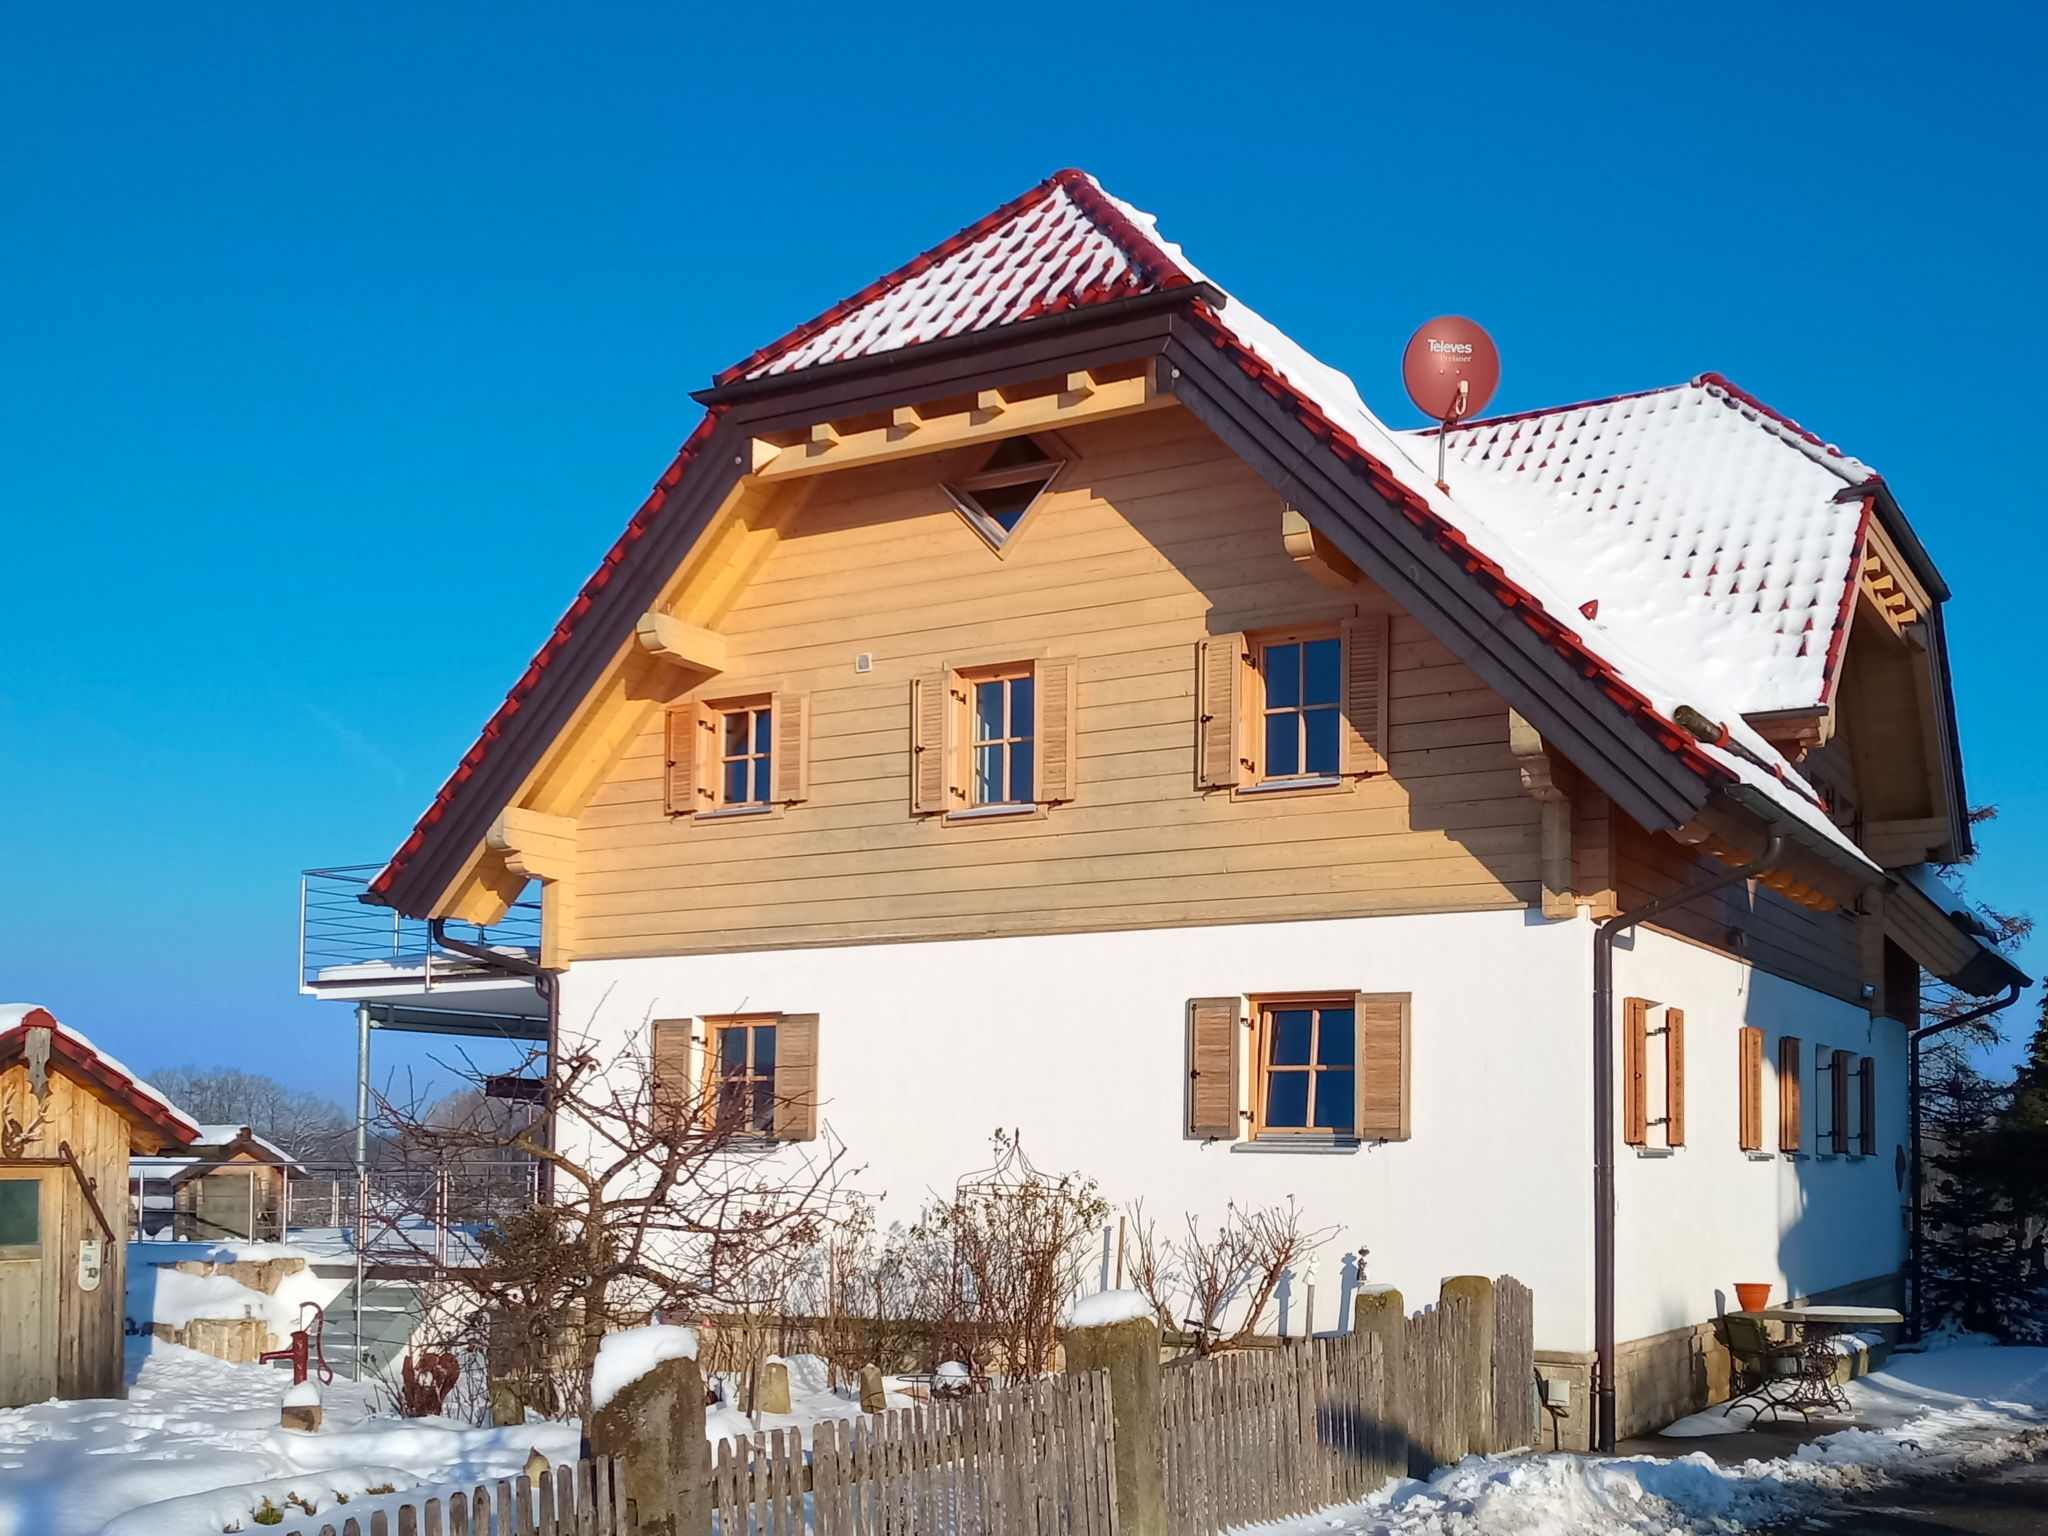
{"x": 995, "y": 498}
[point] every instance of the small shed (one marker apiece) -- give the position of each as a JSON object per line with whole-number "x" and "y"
{"x": 70, "y": 1115}
{"x": 230, "y": 1183}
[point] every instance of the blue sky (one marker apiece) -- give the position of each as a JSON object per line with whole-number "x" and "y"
{"x": 337, "y": 343}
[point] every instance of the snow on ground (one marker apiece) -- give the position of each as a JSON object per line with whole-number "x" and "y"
{"x": 812, "y": 1400}
{"x": 197, "y": 1446}
{"x": 1948, "y": 1413}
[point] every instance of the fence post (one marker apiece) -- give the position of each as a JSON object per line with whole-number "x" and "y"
{"x": 656, "y": 1424}
{"x": 1477, "y": 1365}
{"x": 1129, "y": 1352}
{"x": 1383, "y": 1314}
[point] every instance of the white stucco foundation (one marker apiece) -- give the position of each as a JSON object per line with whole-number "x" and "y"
{"x": 1079, "y": 1042}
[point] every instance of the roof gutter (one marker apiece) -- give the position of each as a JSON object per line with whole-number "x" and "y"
{"x": 1915, "y": 1300}
{"x": 1603, "y": 1116}
{"x": 544, "y": 982}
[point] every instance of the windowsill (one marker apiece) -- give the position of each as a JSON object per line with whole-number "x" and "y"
{"x": 992, "y": 812}
{"x": 1762, "y": 1157}
{"x": 1313, "y": 1145}
{"x": 1655, "y": 1151}
{"x": 737, "y": 812}
{"x": 1794, "y": 1157}
{"x": 1282, "y": 786}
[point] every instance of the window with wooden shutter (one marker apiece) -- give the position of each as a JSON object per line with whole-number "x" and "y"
{"x": 1219, "y": 707}
{"x": 1750, "y": 1087}
{"x": 1788, "y": 1093}
{"x": 790, "y": 769}
{"x": 688, "y": 791}
{"x": 1674, "y": 1077}
{"x": 1364, "y": 744}
{"x": 671, "y": 1080}
{"x": 934, "y": 780}
{"x": 1635, "y": 1071}
{"x": 1058, "y": 679}
{"x": 1838, "y": 1093}
{"x": 1383, "y": 1065}
{"x": 1866, "y": 1114}
{"x": 796, "y": 1077}
{"x": 1214, "y": 1027}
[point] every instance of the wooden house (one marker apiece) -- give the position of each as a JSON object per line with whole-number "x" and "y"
{"x": 70, "y": 1116}
{"x": 1042, "y": 694}
{"x": 230, "y": 1183}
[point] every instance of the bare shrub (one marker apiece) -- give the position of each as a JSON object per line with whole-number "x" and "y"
{"x": 1244, "y": 1261}
{"x": 1151, "y": 1265}
{"x": 1013, "y": 1239}
{"x": 661, "y": 1205}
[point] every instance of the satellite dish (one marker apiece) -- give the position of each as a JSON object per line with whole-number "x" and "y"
{"x": 1451, "y": 369}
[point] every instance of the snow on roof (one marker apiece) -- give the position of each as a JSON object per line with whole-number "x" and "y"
{"x": 1057, "y": 247}
{"x": 1678, "y": 675}
{"x": 227, "y": 1135}
{"x": 18, "y": 1018}
{"x": 1689, "y": 518}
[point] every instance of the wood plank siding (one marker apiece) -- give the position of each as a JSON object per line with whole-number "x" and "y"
{"x": 1154, "y": 538}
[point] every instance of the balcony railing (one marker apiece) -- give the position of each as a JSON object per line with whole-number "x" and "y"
{"x": 342, "y": 939}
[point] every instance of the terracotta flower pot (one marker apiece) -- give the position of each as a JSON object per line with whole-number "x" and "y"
{"x": 1751, "y": 1297}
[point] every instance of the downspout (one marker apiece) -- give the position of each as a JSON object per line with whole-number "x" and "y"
{"x": 543, "y": 981}
{"x": 1914, "y": 1310}
{"x": 1603, "y": 1117}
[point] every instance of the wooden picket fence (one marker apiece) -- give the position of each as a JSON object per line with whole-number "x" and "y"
{"x": 1033, "y": 1460}
{"x": 1264, "y": 1434}
{"x": 1258, "y": 1434}
{"x": 568, "y": 1501}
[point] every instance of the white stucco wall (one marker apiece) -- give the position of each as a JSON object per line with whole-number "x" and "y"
{"x": 1078, "y": 1041}
{"x": 1694, "y": 1223}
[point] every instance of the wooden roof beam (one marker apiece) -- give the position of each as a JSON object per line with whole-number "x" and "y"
{"x": 987, "y": 415}
{"x": 669, "y": 639}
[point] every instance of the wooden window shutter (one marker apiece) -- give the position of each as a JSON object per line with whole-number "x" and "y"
{"x": 1057, "y": 681}
{"x": 1838, "y": 1086}
{"x": 796, "y": 1077}
{"x": 1383, "y": 1065}
{"x": 668, "y": 1065}
{"x": 791, "y": 767}
{"x": 1364, "y": 746}
{"x": 931, "y": 745}
{"x": 689, "y": 789}
{"x": 1674, "y": 1077}
{"x": 1788, "y": 1093}
{"x": 1219, "y": 708}
{"x": 1750, "y": 1068}
{"x": 1215, "y": 1027}
{"x": 1866, "y": 1107}
{"x": 1635, "y": 1071}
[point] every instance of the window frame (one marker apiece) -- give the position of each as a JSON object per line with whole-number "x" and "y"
{"x": 24, "y": 1253}
{"x": 1263, "y": 1007}
{"x": 968, "y": 717}
{"x": 714, "y": 759}
{"x": 715, "y": 1028}
{"x": 1254, "y": 709}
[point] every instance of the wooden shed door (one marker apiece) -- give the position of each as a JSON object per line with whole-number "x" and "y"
{"x": 28, "y": 1286}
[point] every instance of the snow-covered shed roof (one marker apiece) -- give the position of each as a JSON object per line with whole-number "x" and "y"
{"x": 233, "y": 1138}
{"x": 1723, "y": 478}
{"x": 73, "y": 1050}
